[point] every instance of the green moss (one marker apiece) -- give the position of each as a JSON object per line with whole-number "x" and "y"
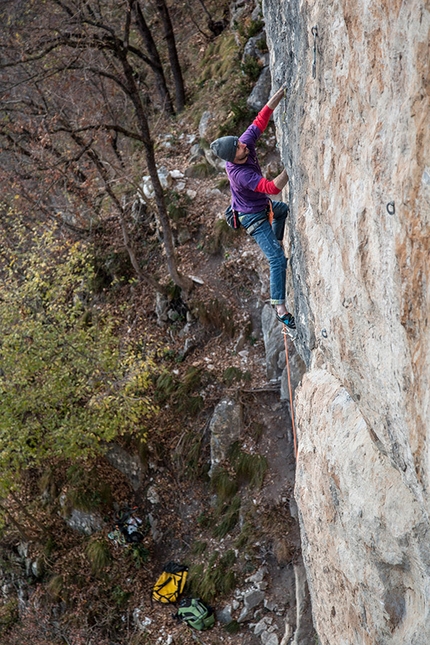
{"x": 227, "y": 518}
{"x": 215, "y": 579}
{"x": 223, "y": 485}
{"x": 220, "y": 60}
{"x": 232, "y": 374}
{"x": 233, "y": 627}
{"x": 99, "y": 556}
{"x": 8, "y": 614}
{"x": 249, "y": 469}
{"x": 201, "y": 170}
{"x": 55, "y": 587}
{"x": 198, "y": 548}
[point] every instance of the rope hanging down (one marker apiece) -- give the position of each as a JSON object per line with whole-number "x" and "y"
{"x": 284, "y": 331}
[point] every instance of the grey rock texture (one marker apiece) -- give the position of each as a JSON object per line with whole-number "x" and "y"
{"x": 129, "y": 465}
{"x": 83, "y": 522}
{"x": 355, "y": 139}
{"x": 261, "y": 90}
{"x": 273, "y": 342}
{"x": 225, "y": 427}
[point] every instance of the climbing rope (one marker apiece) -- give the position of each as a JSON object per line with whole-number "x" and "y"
{"x": 284, "y": 331}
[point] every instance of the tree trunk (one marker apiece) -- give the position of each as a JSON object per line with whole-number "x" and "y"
{"x": 173, "y": 54}
{"x": 184, "y": 283}
{"x": 156, "y": 65}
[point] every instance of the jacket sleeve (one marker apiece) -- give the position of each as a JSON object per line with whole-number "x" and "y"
{"x": 266, "y": 186}
{"x": 262, "y": 118}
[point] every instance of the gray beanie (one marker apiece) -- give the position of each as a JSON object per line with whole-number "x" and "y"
{"x": 225, "y": 147}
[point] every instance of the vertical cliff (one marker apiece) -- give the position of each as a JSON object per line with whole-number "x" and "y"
{"x": 354, "y": 134}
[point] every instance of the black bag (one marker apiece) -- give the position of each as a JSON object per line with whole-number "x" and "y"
{"x": 232, "y": 218}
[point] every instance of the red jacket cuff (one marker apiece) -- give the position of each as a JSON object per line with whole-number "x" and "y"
{"x": 263, "y": 117}
{"x": 266, "y": 186}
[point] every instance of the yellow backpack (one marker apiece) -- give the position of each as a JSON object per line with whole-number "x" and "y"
{"x": 171, "y": 583}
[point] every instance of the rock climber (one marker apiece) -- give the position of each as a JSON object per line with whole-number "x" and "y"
{"x": 249, "y": 193}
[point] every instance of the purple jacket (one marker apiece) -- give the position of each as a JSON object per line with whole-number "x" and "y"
{"x": 244, "y": 178}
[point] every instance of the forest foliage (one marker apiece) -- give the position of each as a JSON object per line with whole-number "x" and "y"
{"x": 68, "y": 384}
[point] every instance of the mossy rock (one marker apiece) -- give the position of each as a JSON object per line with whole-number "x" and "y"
{"x": 200, "y": 170}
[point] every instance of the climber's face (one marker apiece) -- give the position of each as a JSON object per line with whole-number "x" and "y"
{"x": 242, "y": 152}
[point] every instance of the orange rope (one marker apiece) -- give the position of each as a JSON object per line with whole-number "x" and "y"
{"x": 290, "y": 391}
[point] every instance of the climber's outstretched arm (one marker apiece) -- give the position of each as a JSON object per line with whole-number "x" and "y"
{"x": 274, "y": 100}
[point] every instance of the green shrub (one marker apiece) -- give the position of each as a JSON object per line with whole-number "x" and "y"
{"x": 177, "y": 205}
{"x": 216, "y": 579}
{"x": 180, "y": 392}
{"x": 165, "y": 386}
{"x": 140, "y": 555}
{"x": 249, "y": 28}
{"x": 67, "y": 388}
{"x": 227, "y": 518}
{"x": 233, "y": 627}
{"x": 223, "y": 485}
{"x": 201, "y": 170}
{"x": 55, "y": 587}
{"x": 256, "y": 430}
{"x": 249, "y": 469}
{"x": 120, "y": 597}
{"x": 240, "y": 116}
{"x": 251, "y": 68}
{"x": 99, "y": 556}
{"x": 187, "y": 455}
{"x": 86, "y": 491}
{"x": 198, "y": 548}
{"x": 223, "y": 183}
{"x": 9, "y": 614}
{"x": 232, "y": 374}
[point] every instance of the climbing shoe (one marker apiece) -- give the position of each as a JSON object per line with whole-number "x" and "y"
{"x": 287, "y": 319}
{"x": 289, "y": 325}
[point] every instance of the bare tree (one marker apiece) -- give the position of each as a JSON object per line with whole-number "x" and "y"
{"x": 173, "y": 54}
{"x": 78, "y": 49}
{"x": 154, "y": 57}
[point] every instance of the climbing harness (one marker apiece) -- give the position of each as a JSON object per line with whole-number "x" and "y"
{"x": 284, "y": 331}
{"x": 391, "y": 208}
{"x": 314, "y": 32}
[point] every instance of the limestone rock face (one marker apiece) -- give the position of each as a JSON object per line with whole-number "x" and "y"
{"x": 354, "y": 136}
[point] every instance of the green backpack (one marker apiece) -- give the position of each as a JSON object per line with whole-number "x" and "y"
{"x": 196, "y": 613}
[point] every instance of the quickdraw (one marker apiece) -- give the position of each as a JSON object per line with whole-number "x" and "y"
{"x": 314, "y": 62}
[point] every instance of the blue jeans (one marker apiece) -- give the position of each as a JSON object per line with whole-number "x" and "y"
{"x": 268, "y": 239}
